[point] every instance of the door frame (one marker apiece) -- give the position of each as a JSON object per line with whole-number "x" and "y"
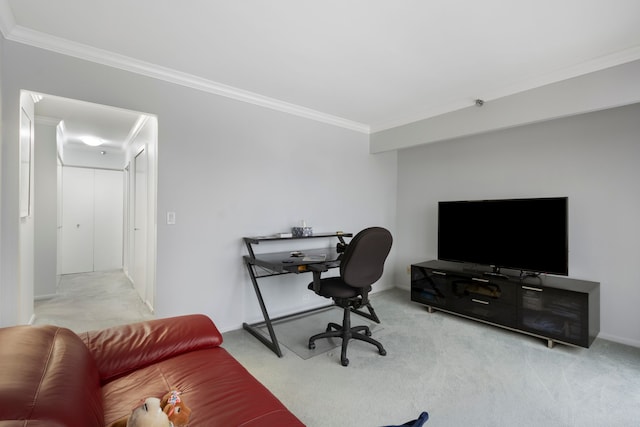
{"x": 144, "y": 138}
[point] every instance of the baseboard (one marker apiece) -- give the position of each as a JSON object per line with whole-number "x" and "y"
{"x": 619, "y": 340}
{"x": 32, "y": 319}
{"x": 43, "y": 297}
{"x": 149, "y": 306}
{"x": 126, "y": 273}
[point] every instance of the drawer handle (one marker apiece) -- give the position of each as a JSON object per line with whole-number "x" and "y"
{"x": 529, "y": 288}
{"x": 479, "y": 301}
{"x": 440, "y": 273}
{"x": 477, "y": 279}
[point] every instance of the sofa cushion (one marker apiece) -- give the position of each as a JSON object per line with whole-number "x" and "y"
{"x": 122, "y": 349}
{"x": 217, "y": 388}
{"x": 47, "y": 377}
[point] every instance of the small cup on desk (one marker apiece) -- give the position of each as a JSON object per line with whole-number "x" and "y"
{"x": 302, "y": 231}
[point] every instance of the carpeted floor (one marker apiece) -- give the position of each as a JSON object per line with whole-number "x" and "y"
{"x": 294, "y": 333}
{"x": 88, "y": 301}
{"x": 462, "y": 372}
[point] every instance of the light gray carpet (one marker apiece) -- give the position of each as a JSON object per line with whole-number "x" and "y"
{"x": 88, "y": 301}
{"x": 462, "y": 372}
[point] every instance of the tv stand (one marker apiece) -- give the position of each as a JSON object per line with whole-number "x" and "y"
{"x": 495, "y": 273}
{"x": 557, "y": 309}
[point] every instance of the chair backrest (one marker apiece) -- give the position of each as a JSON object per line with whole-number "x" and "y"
{"x": 363, "y": 260}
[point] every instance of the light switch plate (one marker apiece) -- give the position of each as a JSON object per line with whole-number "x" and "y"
{"x": 171, "y": 218}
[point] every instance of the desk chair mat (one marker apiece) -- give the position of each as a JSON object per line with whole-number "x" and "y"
{"x": 294, "y": 332}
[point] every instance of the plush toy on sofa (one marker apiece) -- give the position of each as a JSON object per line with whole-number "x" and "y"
{"x": 175, "y": 408}
{"x": 149, "y": 414}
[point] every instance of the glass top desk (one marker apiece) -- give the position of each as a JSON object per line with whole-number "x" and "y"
{"x": 276, "y": 263}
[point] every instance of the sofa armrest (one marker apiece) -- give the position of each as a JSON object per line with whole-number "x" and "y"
{"x": 123, "y": 349}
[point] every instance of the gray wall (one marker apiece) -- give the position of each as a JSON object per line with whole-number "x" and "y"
{"x": 591, "y": 158}
{"x": 228, "y": 169}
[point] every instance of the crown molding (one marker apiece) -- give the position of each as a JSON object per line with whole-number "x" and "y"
{"x": 30, "y": 37}
{"x": 587, "y": 67}
{"x": 135, "y": 130}
{"x": 48, "y": 121}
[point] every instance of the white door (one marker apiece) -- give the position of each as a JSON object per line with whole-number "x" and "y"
{"x": 77, "y": 220}
{"x": 140, "y": 224}
{"x": 92, "y": 211}
{"x": 108, "y": 190}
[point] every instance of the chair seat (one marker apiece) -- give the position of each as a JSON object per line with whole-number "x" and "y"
{"x": 334, "y": 287}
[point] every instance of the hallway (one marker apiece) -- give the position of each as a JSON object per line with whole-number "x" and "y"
{"x": 88, "y": 301}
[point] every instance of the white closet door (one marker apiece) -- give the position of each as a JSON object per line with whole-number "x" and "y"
{"x": 108, "y": 220}
{"x": 92, "y": 220}
{"x": 77, "y": 220}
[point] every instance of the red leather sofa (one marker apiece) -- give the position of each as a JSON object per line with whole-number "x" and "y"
{"x": 51, "y": 377}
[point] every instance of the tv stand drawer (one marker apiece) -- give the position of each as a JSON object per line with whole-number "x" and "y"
{"x": 479, "y": 287}
{"x": 487, "y": 309}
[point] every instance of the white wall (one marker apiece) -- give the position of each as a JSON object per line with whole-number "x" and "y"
{"x": 23, "y": 303}
{"x": 228, "y": 169}
{"x": 45, "y": 204}
{"x": 591, "y": 158}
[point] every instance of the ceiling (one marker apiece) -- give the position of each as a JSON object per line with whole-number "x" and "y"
{"x": 367, "y": 65}
{"x": 114, "y": 126}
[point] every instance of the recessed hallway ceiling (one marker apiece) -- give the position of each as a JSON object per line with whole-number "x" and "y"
{"x": 370, "y": 64}
{"x": 114, "y": 126}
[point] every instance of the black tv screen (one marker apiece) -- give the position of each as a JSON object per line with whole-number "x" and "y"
{"x": 523, "y": 234}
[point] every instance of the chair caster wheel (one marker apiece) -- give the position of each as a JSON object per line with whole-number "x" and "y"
{"x": 345, "y": 362}
{"x": 312, "y": 346}
{"x": 383, "y": 352}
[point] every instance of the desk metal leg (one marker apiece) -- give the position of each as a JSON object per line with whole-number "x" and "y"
{"x": 252, "y": 329}
{"x": 371, "y": 315}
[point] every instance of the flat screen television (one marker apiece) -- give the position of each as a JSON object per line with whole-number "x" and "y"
{"x": 530, "y": 235}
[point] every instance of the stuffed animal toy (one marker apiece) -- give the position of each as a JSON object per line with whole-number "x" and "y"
{"x": 175, "y": 408}
{"x": 149, "y": 414}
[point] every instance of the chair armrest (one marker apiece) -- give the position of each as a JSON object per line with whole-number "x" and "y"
{"x": 320, "y": 268}
{"x": 317, "y": 270}
{"x": 123, "y": 349}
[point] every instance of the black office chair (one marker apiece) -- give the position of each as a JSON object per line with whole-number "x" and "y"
{"x": 361, "y": 266}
